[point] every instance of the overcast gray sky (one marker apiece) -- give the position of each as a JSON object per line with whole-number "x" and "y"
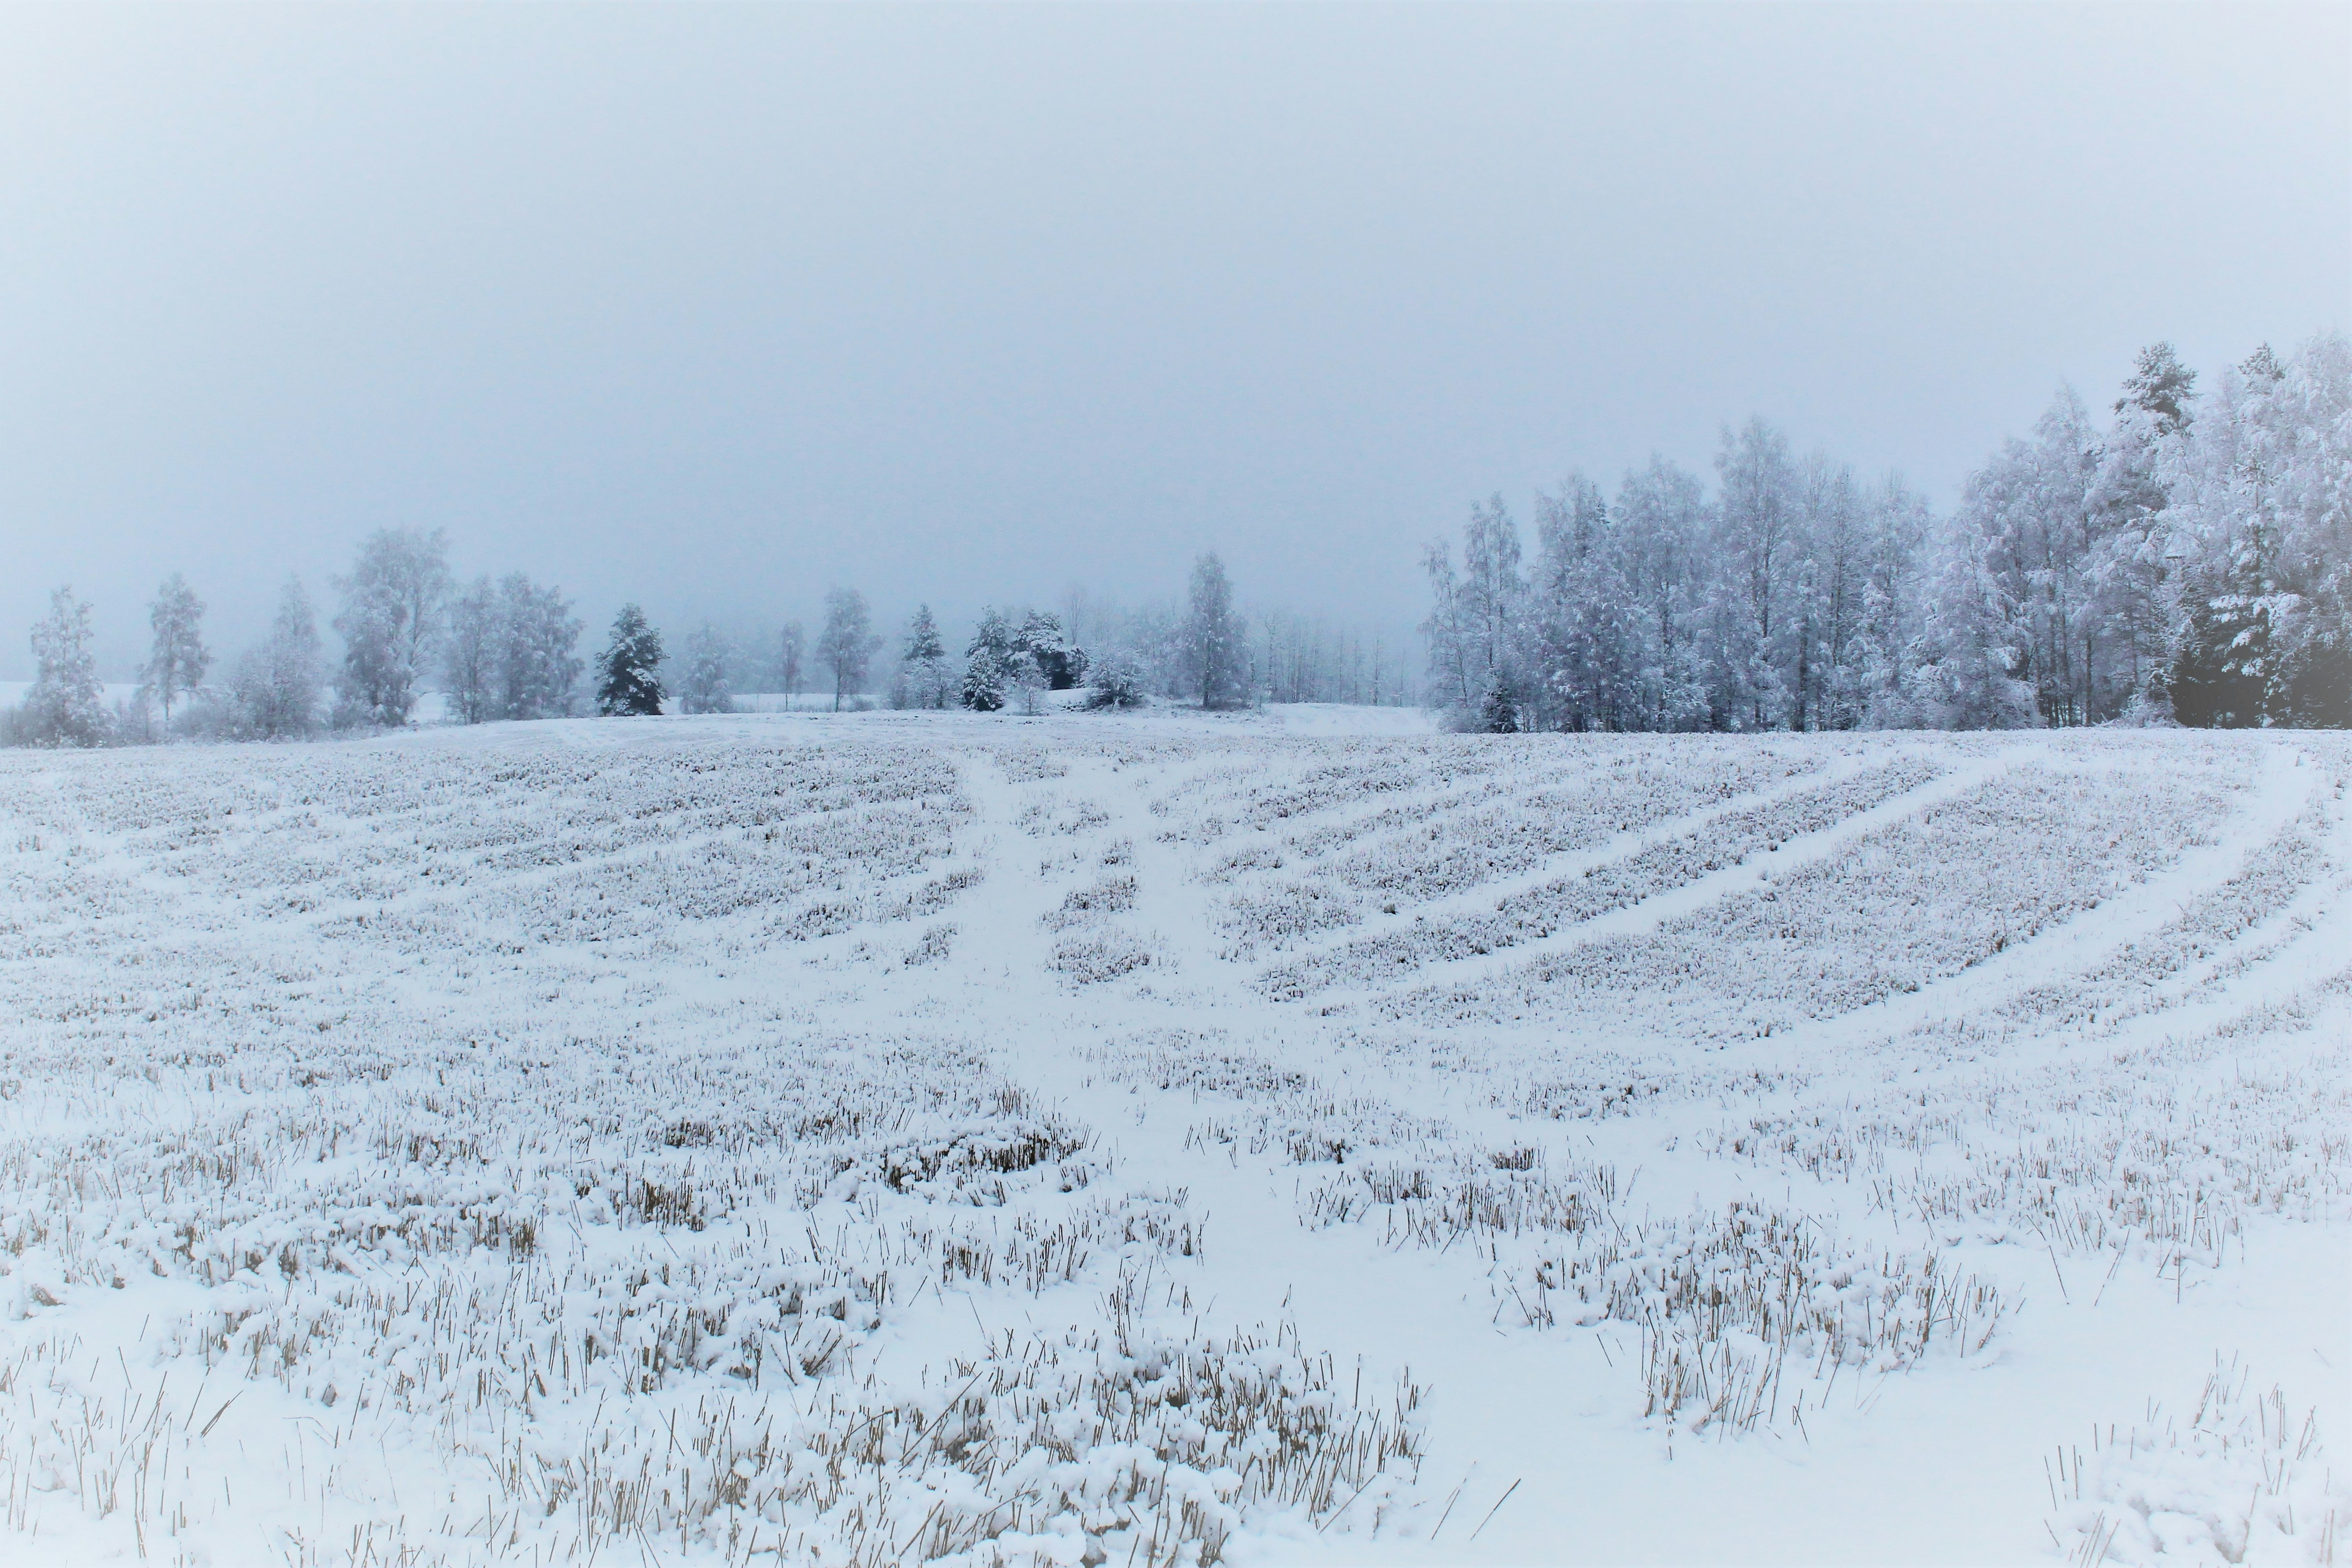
{"x": 718, "y": 308}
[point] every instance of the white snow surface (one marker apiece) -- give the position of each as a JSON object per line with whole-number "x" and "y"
{"x": 1287, "y": 1137}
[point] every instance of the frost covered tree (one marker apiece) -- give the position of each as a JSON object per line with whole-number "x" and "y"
{"x": 539, "y": 665}
{"x": 1757, "y": 514}
{"x": 704, "y": 688}
{"x": 2258, "y": 529}
{"x": 1968, "y": 677}
{"x": 988, "y": 663}
{"x": 470, "y": 652}
{"x": 1025, "y": 681}
{"x": 509, "y": 651}
{"x": 629, "y": 670}
{"x": 1447, "y": 629}
{"x": 924, "y": 679}
{"x": 790, "y": 647}
{"x": 1477, "y": 628}
{"x": 1213, "y": 653}
{"x": 177, "y": 658}
{"x": 1582, "y": 655}
{"x": 1663, "y": 523}
{"x": 2188, "y": 557}
{"x": 67, "y": 706}
{"x": 275, "y": 688}
{"x": 846, "y": 644}
{"x": 1891, "y": 619}
{"x": 2161, "y": 387}
{"x": 2033, "y": 514}
{"x": 1061, "y": 663}
{"x": 391, "y": 614}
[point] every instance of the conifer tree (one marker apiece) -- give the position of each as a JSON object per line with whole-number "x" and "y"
{"x": 2161, "y": 386}
{"x": 1212, "y": 654}
{"x": 629, "y": 679}
{"x": 987, "y": 663}
{"x": 923, "y": 677}
{"x": 1060, "y": 663}
{"x": 1499, "y": 713}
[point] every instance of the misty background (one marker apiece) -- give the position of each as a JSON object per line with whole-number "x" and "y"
{"x": 717, "y": 309}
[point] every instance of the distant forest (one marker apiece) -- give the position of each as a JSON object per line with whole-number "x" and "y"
{"x": 2183, "y": 557}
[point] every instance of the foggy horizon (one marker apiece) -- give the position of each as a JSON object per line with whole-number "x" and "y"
{"x": 715, "y": 310}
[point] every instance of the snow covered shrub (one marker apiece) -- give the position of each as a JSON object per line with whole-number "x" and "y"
{"x": 1118, "y": 680}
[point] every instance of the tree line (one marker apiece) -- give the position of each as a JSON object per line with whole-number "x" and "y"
{"x": 502, "y": 649}
{"x": 2187, "y": 559}
{"x": 509, "y": 649}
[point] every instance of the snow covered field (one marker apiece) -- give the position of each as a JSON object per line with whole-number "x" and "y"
{"x": 1098, "y": 1139}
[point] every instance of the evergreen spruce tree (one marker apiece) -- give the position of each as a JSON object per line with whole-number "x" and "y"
{"x": 923, "y": 677}
{"x": 177, "y": 662}
{"x": 1060, "y": 663}
{"x": 987, "y": 663}
{"x": 1498, "y": 714}
{"x": 628, "y": 673}
{"x": 2160, "y": 385}
{"x": 1213, "y": 656}
{"x": 2217, "y": 678}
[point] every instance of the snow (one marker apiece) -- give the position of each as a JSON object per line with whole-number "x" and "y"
{"x": 1282, "y": 1137}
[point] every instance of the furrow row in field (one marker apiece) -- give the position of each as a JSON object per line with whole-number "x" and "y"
{"x": 1876, "y": 907}
{"x": 1722, "y": 840}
